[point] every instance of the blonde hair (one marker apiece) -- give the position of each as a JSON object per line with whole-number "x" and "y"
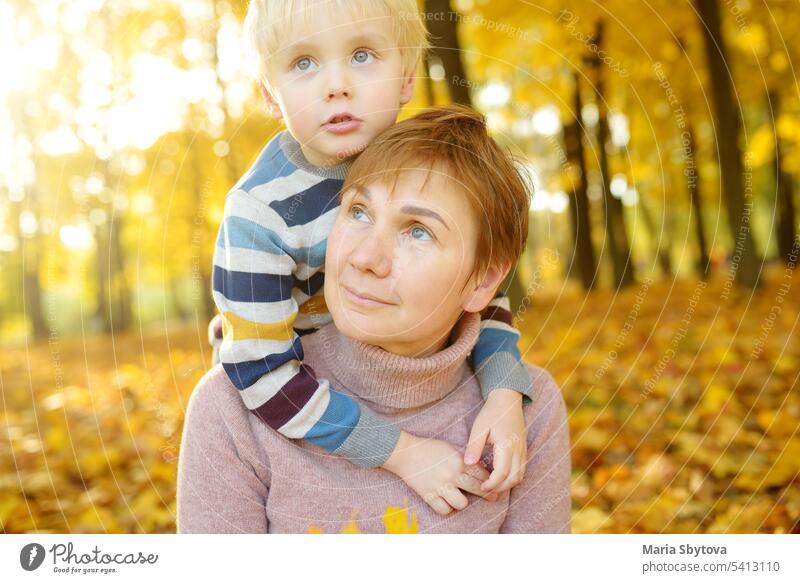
{"x": 268, "y": 23}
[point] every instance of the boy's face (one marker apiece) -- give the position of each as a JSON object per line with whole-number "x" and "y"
{"x": 337, "y": 67}
{"x": 412, "y": 250}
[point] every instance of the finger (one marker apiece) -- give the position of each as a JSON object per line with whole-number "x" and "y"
{"x": 511, "y": 480}
{"x": 455, "y": 498}
{"x": 439, "y": 505}
{"x": 523, "y": 462}
{"x": 475, "y": 445}
{"x": 478, "y": 472}
{"x": 502, "y": 463}
{"x": 472, "y": 485}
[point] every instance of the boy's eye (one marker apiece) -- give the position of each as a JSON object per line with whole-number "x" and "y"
{"x": 363, "y": 56}
{"x": 421, "y": 234}
{"x": 303, "y": 64}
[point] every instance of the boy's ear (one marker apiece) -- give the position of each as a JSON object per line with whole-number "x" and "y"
{"x": 407, "y": 90}
{"x": 483, "y": 290}
{"x": 272, "y": 105}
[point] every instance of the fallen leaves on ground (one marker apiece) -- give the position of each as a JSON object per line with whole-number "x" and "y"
{"x": 683, "y": 403}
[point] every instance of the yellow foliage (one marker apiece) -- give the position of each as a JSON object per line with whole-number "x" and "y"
{"x": 676, "y": 427}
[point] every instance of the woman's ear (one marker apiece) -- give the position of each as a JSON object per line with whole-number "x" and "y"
{"x": 484, "y": 290}
{"x": 272, "y": 105}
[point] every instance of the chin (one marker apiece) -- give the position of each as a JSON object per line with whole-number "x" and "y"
{"x": 366, "y": 328}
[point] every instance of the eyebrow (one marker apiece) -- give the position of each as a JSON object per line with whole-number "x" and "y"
{"x": 360, "y": 39}
{"x": 370, "y": 38}
{"x": 409, "y": 209}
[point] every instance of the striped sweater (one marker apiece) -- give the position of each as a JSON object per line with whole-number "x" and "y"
{"x": 268, "y": 285}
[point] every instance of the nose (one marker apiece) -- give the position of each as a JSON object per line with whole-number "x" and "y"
{"x": 338, "y": 82}
{"x": 373, "y": 253}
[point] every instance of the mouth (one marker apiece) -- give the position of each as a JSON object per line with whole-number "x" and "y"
{"x": 364, "y": 298}
{"x": 342, "y": 122}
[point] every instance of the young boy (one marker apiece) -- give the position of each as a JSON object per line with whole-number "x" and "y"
{"x": 336, "y": 72}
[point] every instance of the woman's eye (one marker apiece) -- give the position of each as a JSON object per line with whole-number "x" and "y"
{"x": 421, "y": 234}
{"x": 304, "y": 64}
{"x": 363, "y": 56}
{"x": 358, "y": 213}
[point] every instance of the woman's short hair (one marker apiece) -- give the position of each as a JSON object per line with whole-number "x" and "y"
{"x": 454, "y": 139}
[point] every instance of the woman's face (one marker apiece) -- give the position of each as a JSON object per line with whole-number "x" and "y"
{"x": 398, "y": 261}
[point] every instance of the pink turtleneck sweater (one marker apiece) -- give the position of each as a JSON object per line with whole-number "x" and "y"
{"x": 236, "y": 475}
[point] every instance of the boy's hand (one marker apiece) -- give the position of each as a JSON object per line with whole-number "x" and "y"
{"x": 435, "y": 470}
{"x": 501, "y": 423}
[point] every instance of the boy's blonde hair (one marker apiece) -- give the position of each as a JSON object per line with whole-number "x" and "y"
{"x": 269, "y": 22}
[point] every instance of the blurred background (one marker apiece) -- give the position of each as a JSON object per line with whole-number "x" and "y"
{"x": 658, "y": 285}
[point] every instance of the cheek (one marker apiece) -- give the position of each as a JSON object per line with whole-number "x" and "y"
{"x": 384, "y": 97}
{"x": 334, "y": 250}
{"x": 428, "y": 278}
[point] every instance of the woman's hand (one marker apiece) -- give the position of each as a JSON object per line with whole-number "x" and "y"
{"x": 436, "y": 471}
{"x": 500, "y": 422}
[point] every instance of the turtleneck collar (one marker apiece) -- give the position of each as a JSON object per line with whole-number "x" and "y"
{"x": 391, "y": 382}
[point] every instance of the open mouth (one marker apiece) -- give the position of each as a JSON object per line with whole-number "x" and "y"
{"x": 341, "y": 118}
{"x": 342, "y": 123}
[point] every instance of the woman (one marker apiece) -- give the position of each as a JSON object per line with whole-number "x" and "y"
{"x": 433, "y": 215}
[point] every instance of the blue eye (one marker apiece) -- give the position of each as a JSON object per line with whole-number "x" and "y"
{"x": 421, "y": 234}
{"x": 362, "y": 56}
{"x": 357, "y": 213}
{"x": 303, "y": 64}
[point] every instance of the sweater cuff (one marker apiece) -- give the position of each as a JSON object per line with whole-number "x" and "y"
{"x": 502, "y": 371}
{"x": 371, "y": 441}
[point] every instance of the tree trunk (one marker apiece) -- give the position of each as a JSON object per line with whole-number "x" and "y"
{"x": 579, "y": 201}
{"x": 30, "y": 253}
{"x": 102, "y": 311}
{"x": 727, "y": 125}
{"x": 784, "y": 191}
{"x": 446, "y": 46}
{"x": 692, "y": 174}
{"x": 662, "y": 254}
{"x": 615, "y": 217}
{"x": 33, "y": 300}
{"x": 119, "y": 280}
{"x": 113, "y": 293}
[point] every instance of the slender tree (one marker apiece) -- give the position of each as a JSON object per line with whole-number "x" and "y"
{"x": 784, "y": 189}
{"x": 615, "y": 217}
{"x": 445, "y": 45}
{"x": 727, "y": 124}
{"x": 579, "y": 201}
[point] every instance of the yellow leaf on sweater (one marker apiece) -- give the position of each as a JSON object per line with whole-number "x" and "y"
{"x": 396, "y": 520}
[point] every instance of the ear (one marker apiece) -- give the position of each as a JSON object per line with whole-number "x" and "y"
{"x": 407, "y": 90}
{"x": 484, "y": 290}
{"x": 272, "y": 105}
